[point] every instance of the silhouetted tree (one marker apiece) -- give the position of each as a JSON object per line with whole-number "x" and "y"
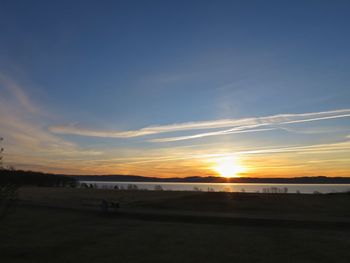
{"x": 8, "y": 190}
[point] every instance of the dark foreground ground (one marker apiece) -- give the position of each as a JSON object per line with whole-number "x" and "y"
{"x": 52, "y": 233}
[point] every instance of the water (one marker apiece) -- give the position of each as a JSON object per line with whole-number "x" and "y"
{"x": 223, "y": 187}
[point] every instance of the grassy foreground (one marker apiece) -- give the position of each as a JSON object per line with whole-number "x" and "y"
{"x": 304, "y": 205}
{"x": 44, "y": 234}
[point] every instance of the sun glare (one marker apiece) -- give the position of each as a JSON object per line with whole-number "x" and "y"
{"x": 228, "y": 167}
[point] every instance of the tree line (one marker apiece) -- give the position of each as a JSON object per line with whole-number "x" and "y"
{"x": 23, "y": 178}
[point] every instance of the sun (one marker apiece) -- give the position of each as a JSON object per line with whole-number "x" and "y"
{"x": 228, "y": 167}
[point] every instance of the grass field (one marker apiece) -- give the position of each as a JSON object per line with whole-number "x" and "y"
{"x": 47, "y": 234}
{"x": 311, "y": 205}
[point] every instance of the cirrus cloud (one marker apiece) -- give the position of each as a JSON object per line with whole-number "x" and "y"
{"x": 242, "y": 125}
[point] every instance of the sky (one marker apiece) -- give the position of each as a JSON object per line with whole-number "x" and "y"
{"x": 176, "y": 88}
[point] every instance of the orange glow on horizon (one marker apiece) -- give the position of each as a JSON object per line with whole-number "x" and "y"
{"x": 228, "y": 167}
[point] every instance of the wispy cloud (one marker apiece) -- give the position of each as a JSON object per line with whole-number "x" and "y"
{"x": 16, "y": 93}
{"x": 72, "y": 129}
{"x": 275, "y": 121}
{"x": 27, "y": 140}
{"x": 325, "y": 148}
{"x": 224, "y": 132}
{"x": 254, "y": 124}
{"x": 30, "y": 145}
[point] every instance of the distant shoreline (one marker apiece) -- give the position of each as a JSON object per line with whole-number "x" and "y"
{"x": 30, "y": 177}
{"x": 212, "y": 179}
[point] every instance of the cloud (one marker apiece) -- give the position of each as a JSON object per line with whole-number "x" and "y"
{"x": 225, "y": 132}
{"x": 71, "y": 129}
{"x": 18, "y": 95}
{"x": 243, "y": 129}
{"x": 30, "y": 145}
{"x": 26, "y": 139}
{"x": 253, "y": 124}
{"x": 159, "y": 159}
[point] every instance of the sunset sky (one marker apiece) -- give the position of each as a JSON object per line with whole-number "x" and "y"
{"x": 176, "y": 88}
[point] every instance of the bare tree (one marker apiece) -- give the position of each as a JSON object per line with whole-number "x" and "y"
{"x": 1, "y": 151}
{"x": 8, "y": 191}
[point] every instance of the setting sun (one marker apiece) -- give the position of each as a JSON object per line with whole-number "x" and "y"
{"x": 228, "y": 167}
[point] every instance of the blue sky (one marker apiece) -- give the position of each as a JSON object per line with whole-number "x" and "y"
{"x": 75, "y": 76}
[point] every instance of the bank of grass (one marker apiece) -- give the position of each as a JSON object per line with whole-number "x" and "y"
{"x": 309, "y": 205}
{"x": 48, "y": 234}
{"x": 32, "y": 234}
{"x": 314, "y": 205}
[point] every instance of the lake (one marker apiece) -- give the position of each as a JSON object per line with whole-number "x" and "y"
{"x": 222, "y": 187}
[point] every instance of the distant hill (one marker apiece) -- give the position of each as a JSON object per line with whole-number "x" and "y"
{"x": 214, "y": 179}
{"x": 38, "y": 178}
